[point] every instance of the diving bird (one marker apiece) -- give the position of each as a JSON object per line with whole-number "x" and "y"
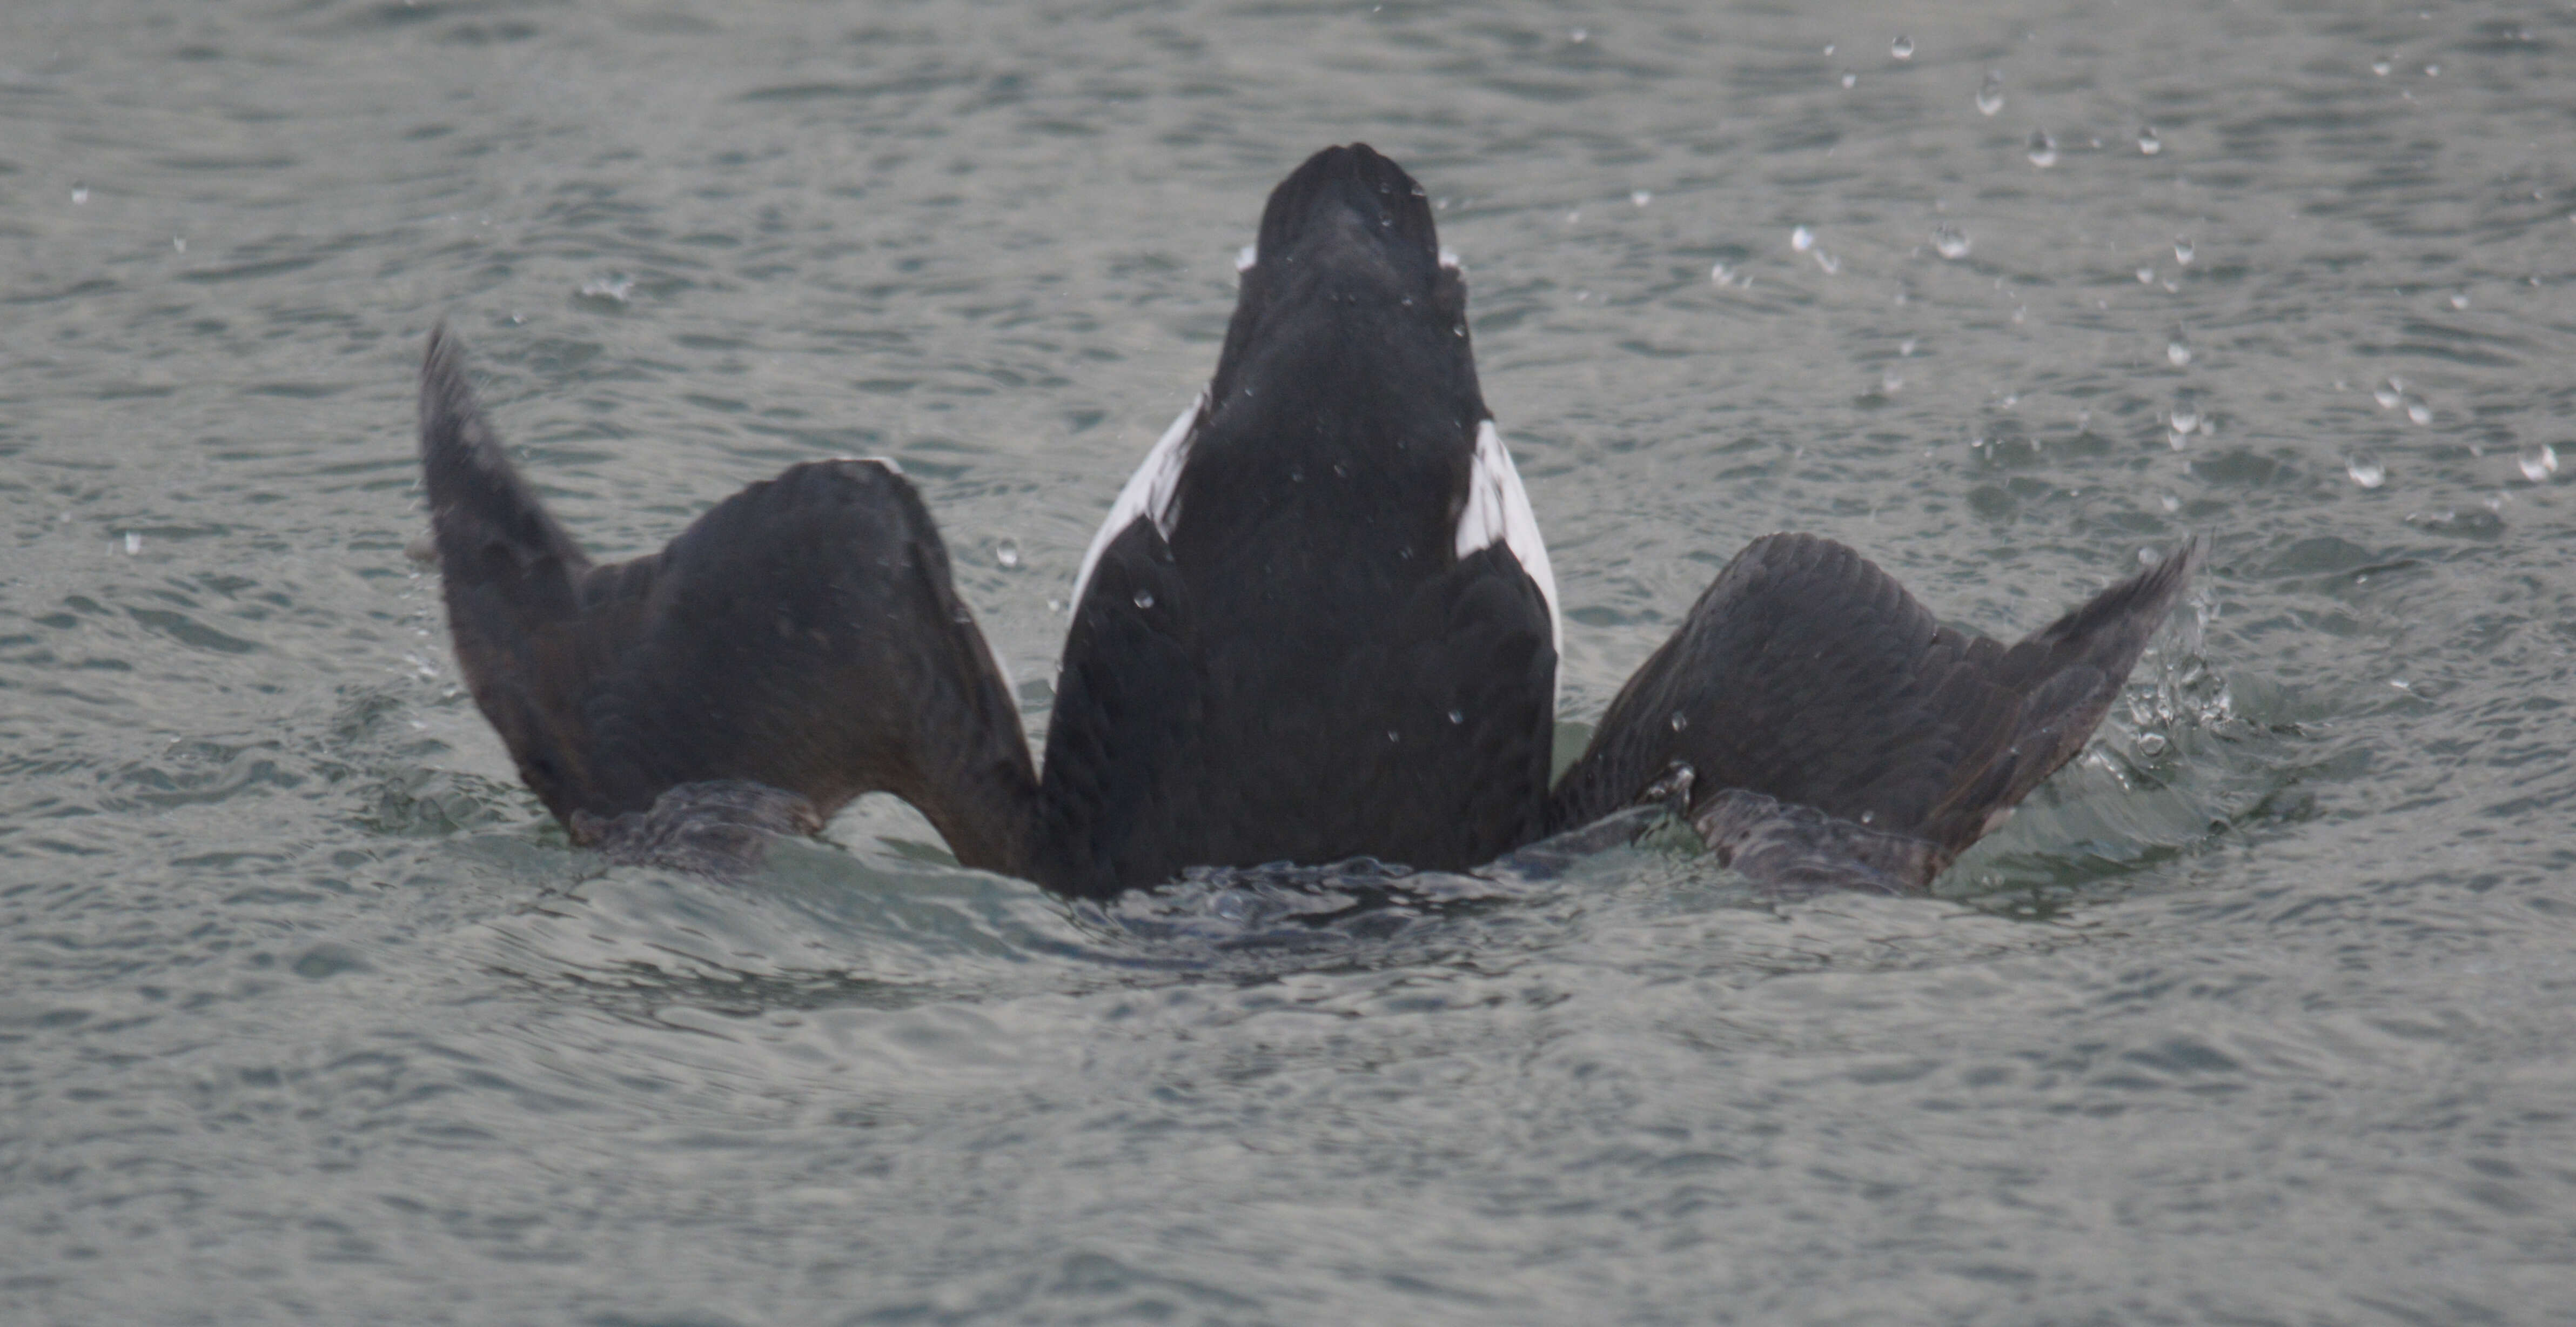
{"x": 1319, "y": 623}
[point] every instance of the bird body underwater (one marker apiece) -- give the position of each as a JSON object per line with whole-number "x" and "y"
{"x": 1318, "y": 624}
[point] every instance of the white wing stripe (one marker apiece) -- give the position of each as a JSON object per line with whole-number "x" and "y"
{"x": 1498, "y": 508}
{"x": 1154, "y": 490}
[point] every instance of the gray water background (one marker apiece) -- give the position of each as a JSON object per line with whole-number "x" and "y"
{"x": 2260, "y": 1013}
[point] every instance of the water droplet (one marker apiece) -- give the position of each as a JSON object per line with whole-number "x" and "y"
{"x": 1457, "y": 716}
{"x": 1341, "y": 469}
{"x": 1905, "y": 348}
{"x": 2183, "y": 252}
{"x": 2170, "y": 502}
{"x": 1869, "y": 817}
{"x": 2460, "y": 301}
{"x": 178, "y": 245}
{"x": 2389, "y": 394}
{"x": 1640, "y": 197}
{"x": 1902, "y": 48}
{"x": 1721, "y": 275}
{"x": 1680, "y": 721}
{"x": 1394, "y": 736}
{"x": 2148, "y": 142}
{"x": 2177, "y": 352}
{"x": 1990, "y": 94}
{"x": 1890, "y": 381}
{"x": 2365, "y": 470}
{"x": 133, "y": 543}
{"x": 1802, "y": 239}
{"x": 2382, "y": 65}
{"x": 1457, "y": 329}
{"x": 1007, "y": 552}
{"x": 1144, "y": 598}
{"x": 2186, "y": 415}
{"x": 2043, "y": 149}
{"x": 1851, "y": 81}
{"x": 1949, "y": 241}
{"x": 2419, "y": 412}
{"x": 2539, "y": 463}
{"x": 2432, "y": 71}
{"x": 80, "y": 192}
{"x": 1578, "y": 36}
{"x": 2146, "y": 276}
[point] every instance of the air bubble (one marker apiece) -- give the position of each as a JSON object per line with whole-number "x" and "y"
{"x": 2460, "y": 301}
{"x": 1680, "y": 721}
{"x": 1949, "y": 241}
{"x": 2149, "y": 142}
{"x": 2178, "y": 353}
{"x": 2382, "y": 65}
{"x": 2043, "y": 149}
{"x": 1457, "y": 716}
{"x": 1144, "y": 598}
{"x": 1990, "y": 94}
{"x": 1902, "y": 48}
{"x": 2365, "y": 470}
{"x": 2389, "y": 394}
{"x": 2419, "y": 412}
{"x": 2183, "y": 252}
{"x": 80, "y": 192}
{"x": 1007, "y": 552}
{"x": 2146, "y": 276}
{"x": 1640, "y": 197}
{"x": 133, "y": 543}
{"x": 1802, "y": 239}
{"x": 2539, "y": 463}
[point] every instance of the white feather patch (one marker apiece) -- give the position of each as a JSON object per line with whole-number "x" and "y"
{"x": 1498, "y": 508}
{"x": 1154, "y": 490}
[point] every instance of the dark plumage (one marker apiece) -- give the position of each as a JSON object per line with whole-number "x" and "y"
{"x": 1318, "y": 625}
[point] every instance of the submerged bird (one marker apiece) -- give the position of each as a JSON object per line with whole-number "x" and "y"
{"x": 1318, "y": 624}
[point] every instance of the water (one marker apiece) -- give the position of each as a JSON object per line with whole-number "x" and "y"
{"x": 2259, "y": 1012}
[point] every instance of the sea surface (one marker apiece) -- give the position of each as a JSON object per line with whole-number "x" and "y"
{"x": 2262, "y": 1012}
